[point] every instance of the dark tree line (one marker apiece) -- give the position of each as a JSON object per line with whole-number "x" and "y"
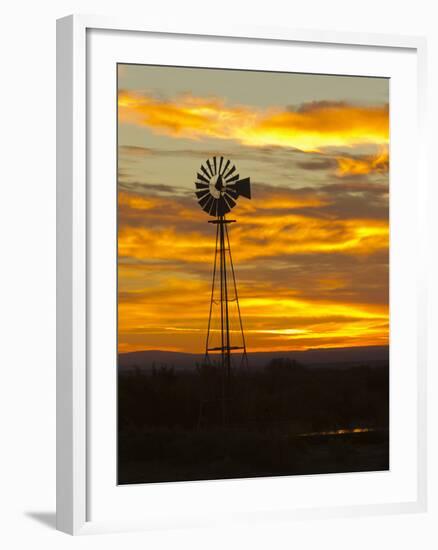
{"x": 311, "y": 398}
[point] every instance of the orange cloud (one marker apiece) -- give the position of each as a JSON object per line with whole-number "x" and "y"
{"x": 155, "y": 288}
{"x": 158, "y": 316}
{"x": 286, "y": 202}
{"x": 310, "y": 128}
{"x": 149, "y": 230}
{"x": 139, "y": 202}
{"x": 364, "y": 165}
{"x": 260, "y": 236}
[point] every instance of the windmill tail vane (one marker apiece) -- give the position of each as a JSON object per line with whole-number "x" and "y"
{"x": 218, "y": 187}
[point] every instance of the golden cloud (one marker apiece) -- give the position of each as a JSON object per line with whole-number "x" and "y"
{"x": 154, "y": 286}
{"x": 157, "y": 315}
{"x": 267, "y": 229}
{"x": 265, "y": 236}
{"x": 364, "y": 165}
{"x": 310, "y": 128}
{"x": 135, "y": 201}
{"x": 159, "y": 266}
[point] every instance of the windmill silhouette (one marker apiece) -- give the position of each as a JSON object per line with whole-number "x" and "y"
{"x": 218, "y": 186}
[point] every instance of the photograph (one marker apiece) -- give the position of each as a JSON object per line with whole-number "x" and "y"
{"x": 252, "y": 273}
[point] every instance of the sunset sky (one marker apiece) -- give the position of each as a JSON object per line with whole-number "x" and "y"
{"x": 311, "y": 247}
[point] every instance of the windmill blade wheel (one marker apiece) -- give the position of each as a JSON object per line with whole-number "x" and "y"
{"x": 218, "y": 186}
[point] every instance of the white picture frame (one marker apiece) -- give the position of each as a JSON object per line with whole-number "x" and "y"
{"x": 75, "y": 217}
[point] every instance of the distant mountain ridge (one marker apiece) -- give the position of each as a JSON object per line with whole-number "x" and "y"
{"x": 360, "y": 355}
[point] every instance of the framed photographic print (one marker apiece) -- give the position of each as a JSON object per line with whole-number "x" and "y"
{"x": 240, "y": 275}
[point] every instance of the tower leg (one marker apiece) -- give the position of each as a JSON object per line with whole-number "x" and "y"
{"x": 225, "y": 321}
{"x": 244, "y": 361}
{"x": 223, "y": 324}
{"x": 212, "y": 297}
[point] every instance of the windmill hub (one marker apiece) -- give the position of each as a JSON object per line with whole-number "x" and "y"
{"x": 217, "y": 186}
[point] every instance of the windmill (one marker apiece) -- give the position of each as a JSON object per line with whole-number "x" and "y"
{"x": 218, "y": 187}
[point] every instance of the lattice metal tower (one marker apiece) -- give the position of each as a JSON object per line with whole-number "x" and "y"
{"x": 218, "y": 186}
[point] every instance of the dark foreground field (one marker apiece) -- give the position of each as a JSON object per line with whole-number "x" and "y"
{"x": 285, "y": 419}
